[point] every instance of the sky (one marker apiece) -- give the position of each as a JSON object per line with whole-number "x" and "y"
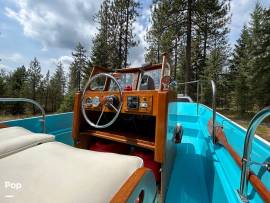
{"x": 50, "y": 30}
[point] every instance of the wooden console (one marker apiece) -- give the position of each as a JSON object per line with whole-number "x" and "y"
{"x": 157, "y": 107}
{"x": 148, "y": 110}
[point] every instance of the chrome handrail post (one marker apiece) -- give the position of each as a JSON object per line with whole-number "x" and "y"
{"x": 255, "y": 122}
{"x": 43, "y": 120}
{"x": 214, "y": 110}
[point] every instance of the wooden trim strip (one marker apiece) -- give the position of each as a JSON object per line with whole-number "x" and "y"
{"x": 164, "y": 61}
{"x": 253, "y": 178}
{"x": 139, "y": 69}
{"x": 127, "y": 138}
{"x": 141, "y": 180}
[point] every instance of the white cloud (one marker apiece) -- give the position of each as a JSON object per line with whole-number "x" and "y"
{"x": 15, "y": 57}
{"x": 62, "y": 24}
{"x": 50, "y": 64}
{"x": 3, "y": 67}
{"x": 56, "y": 23}
{"x": 65, "y": 60}
{"x": 136, "y": 54}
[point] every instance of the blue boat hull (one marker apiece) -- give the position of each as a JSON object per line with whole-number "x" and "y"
{"x": 201, "y": 171}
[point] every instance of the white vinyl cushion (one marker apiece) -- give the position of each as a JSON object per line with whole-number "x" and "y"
{"x": 15, "y": 139}
{"x": 55, "y": 172}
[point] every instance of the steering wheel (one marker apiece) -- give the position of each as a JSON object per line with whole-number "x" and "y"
{"x": 107, "y": 101}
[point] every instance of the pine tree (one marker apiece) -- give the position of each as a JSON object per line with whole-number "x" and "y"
{"x": 101, "y": 47}
{"x": 211, "y": 19}
{"x": 57, "y": 90}
{"x": 241, "y": 71}
{"x": 3, "y": 87}
{"x": 79, "y": 68}
{"x": 115, "y": 36}
{"x": 67, "y": 104}
{"x": 3, "y": 83}
{"x": 34, "y": 78}
{"x": 130, "y": 14}
{"x": 17, "y": 81}
{"x": 16, "y": 88}
{"x": 250, "y": 69}
{"x": 260, "y": 46}
{"x": 87, "y": 72}
{"x": 46, "y": 82}
{"x": 188, "y": 46}
{"x": 188, "y": 31}
{"x": 165, "y": 31}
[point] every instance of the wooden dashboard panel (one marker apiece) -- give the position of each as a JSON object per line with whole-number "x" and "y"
{"x": 145, "y": 97}
{"x": 149, "y": 97}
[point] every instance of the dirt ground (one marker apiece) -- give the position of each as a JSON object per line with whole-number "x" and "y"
{"x": 10, "y": 117}
{"x": 263, "y": 130}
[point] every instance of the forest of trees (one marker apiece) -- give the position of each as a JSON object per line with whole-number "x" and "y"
{"x": 193, "y": 33}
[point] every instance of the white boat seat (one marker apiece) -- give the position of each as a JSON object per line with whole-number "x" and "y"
{"x": 15, "y": 139}
{"x": 55, "y": 172}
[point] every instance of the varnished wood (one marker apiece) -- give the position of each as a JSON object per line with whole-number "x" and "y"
{"x": 161, "y": 125}
{"x": 158, "y": 107}
{"x": 99, "y": 69}
{"x": 149, "y": 67}
{"x": 2, "y": 125}
{"x": 125, "y": 137}
{"x": 139, "y": 69}
{"x": 158, "y": 102}
{"x": 164, "y": 61}
{"x": 129, "y": 186}
{"x": 253, "y": 178}
{"x": 76, "y": 116}
{"x": 150, "y": 95}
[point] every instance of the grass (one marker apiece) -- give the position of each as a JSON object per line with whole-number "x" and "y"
{"x": 263, "y": 129}
{"x": 13, "y": 117}
{"x": 8, "y": 117}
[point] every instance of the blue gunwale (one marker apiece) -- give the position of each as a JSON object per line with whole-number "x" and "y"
{"x": 225, "y": 172}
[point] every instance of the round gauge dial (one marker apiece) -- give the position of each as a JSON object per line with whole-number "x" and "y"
{"x": 89, "y": 101}
{"x": 96, "y": 101}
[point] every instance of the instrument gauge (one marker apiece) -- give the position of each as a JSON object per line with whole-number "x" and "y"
{"x": 96, "y": 101}
{"x": 89, "y": 101}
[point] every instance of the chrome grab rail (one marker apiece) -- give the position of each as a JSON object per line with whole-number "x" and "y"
{"x": 197, "y": 96}
{"x": 43, "y": 120}
{"x": 246, "y": 162}
{"x": 214, "y": 110}
{"x": 213, "y": 85}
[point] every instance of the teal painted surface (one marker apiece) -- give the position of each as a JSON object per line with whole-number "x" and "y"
{"x": 59, "y": 125}
{"x": 202, "y": 172}
{"x": 206, "y": 173}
